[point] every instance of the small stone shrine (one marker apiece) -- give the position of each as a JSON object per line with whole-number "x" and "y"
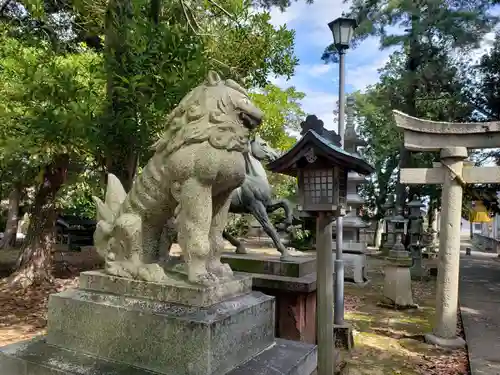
{"x": 141, "y": 315}
{"x": 353, "y": 245}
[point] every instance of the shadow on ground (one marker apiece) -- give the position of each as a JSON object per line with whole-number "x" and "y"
{"x": 389, "y": 341}
{"x": 23, "y": 312}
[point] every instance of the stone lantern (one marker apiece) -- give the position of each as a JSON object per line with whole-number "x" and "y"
{"x": 389, "y": 238}
{"x": 416, "y": 232}
{"x": 397, "y": 277}
{"x": 321, "y": 167}
{"x": 353, "y": 242}
{"x": 415, "y": 228}
{"x": 353, "y": 224}
{"x": 322, "y": 185}
{"x": 398, "y": 226}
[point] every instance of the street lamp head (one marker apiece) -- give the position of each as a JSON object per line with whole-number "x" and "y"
{"x": 342, "y": 29}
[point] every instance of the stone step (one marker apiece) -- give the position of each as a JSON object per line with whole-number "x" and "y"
{"x": 36, "y": 357}
{"x": 159, "y": 336}
{"x": 293, "y": 266}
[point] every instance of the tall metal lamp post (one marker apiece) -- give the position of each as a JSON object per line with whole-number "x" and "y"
{"x": 342, "y": 29}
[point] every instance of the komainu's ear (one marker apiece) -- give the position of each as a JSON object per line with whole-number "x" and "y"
{"x": 213, "y": 78}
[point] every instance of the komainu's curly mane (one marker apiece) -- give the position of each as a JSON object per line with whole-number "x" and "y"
{"x": 207, "y": 113}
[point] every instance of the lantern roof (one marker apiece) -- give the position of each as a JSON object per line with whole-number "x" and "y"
{"x": 323, "y": 147}
{"x": 415, "y": 203}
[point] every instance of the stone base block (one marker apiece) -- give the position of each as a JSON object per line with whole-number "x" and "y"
{"x": 36, "y": 357}
{"x": 167, "y": 338}
{"x": 293, "y": 266}
{"x": 344, "y": 338}
{"x": 351, "y": 246}
{"x": 453, "y": 343}
{"x": 354, "y": 267}
{"x": 175, "y": 291}
{"x": 397, "y": 286}
{"x": 419, "y": 272}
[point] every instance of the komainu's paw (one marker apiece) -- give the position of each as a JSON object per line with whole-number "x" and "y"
{"x": 120, "y": 269}
{"x": 207, "y": 279}
{"x": 221, "y": 270}
{"x": 240, "y": 249}
{"x": 198, "y": 273}
{"x": 151, "y": 272}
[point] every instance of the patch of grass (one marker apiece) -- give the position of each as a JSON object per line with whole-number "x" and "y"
{"x": 389, "y": 341}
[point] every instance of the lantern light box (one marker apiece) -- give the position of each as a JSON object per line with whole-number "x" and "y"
{"x": 321, "y": 167}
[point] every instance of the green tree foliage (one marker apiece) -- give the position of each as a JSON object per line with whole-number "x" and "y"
{"x": 482, "y": 83}
{"x": 86, "y": 83}
{"x": 156, "y": 51}
{"x": 439, "y": 99}
{"x": 427, "y": 32}
{"x": 48, "y": 106}
{"x": 282, "y": 114}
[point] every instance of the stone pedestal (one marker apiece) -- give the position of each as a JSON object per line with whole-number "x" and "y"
{"x": 292, "y": 282}
{"x": 397, "y": 283}
{"x": 418, "y": 270}
{"x": 354, "y": 266}
{"x": 119, "y": 326}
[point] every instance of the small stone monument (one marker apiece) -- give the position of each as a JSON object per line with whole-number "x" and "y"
{"x": 141, "y": 316}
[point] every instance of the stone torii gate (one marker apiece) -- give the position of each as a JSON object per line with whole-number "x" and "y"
{"x": 453, "y": 141}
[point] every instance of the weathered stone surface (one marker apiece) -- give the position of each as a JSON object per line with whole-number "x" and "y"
{"x": 168, "y": 338}
{"x": 35, "y": 357}
{"x": 397, "y": 285}
{"x": 305, "y": 284}
{"x": 270, "y": 265}
{"x": 174, "y": 291}
{"x": 354, "y": 267}
{"x": 197, "y": 163}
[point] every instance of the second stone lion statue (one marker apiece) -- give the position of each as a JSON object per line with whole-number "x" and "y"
{"x": 198, "y": 162}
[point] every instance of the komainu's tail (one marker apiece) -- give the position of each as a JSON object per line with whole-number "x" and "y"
{"x": 107, "y": 212}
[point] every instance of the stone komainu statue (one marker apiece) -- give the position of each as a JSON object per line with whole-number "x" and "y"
{"x": 198, "y": 162}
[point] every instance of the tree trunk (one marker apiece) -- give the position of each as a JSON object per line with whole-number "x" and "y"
{"x": 124, "y": 167}
{"x": 413, "y": 64}
{"x": 34, "y": 265}
{"x": 431, "y": 216}
{"x": 9, "y": 235}
{"x": 379, "y": 229}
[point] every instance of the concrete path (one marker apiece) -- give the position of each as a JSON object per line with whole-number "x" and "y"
{"x": 480, "y": 306}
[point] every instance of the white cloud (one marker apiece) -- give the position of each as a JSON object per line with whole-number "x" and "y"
{"x": 484, "y": 47}
{"x": 362, "y": 76}
{"x": 316, "y": 70}
{"x": 313, "y": 18}
{"x": 316, "y": 102}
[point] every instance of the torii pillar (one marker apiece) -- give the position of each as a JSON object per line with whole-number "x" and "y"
{"x": 453, "y": 141}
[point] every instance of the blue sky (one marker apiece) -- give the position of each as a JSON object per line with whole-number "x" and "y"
{"x": 319, "y": 81}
